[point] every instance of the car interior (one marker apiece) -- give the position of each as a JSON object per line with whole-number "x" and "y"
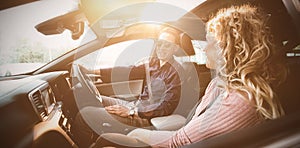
{"x": 37, "y": 109}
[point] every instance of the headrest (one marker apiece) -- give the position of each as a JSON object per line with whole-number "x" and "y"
{"x": 186, "y": 44}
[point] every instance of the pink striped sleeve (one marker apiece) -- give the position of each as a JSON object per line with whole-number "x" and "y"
{"x": 227, "y": 114}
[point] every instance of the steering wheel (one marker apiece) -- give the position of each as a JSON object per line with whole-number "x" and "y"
{"x": 85, "y": 81}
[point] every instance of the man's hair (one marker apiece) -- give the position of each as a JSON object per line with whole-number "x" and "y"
{"x": 171, "y": 31}
{"x": 250, "y": 61}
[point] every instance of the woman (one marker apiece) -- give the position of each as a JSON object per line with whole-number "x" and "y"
{"x": 240, "y": 50}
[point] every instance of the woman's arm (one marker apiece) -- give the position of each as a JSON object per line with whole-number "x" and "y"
{"x": 225, "y": 115}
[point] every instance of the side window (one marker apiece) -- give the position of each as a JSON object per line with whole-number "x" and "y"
{"x": 199, "y": 57}
{"x": 122, "y": 54}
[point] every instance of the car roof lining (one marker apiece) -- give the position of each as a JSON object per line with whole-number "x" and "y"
{"x": 280, "y": 19}
{"x": 12, "y": 3}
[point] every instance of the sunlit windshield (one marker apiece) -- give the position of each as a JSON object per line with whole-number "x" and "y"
{"x": 22, "y": 47}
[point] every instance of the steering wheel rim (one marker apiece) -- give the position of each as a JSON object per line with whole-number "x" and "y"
{"x": 86, "y": 81}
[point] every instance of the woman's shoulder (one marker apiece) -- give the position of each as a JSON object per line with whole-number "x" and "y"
{"x": 215, "y": 89}
{"x": 240, "y": 98}
{"x": 213, "y": 84}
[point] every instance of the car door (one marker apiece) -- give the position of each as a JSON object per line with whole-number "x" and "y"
{"x": 112, "y": 65}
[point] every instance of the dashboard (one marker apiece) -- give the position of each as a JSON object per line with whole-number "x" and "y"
{"x": 31, "y": 110}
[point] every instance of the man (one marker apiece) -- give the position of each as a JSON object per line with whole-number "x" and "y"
{"x": 160, "y": 97}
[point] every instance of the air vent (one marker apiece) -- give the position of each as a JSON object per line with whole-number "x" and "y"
{"x": 39, "y": 105}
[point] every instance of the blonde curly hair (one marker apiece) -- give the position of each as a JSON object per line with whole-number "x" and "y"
{"x": 250, "y": 62}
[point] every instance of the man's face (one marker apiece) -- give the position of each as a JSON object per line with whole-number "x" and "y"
{"x": 165, "y": 46}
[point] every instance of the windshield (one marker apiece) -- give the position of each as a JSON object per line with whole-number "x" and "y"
{"x": 24, "y": 49}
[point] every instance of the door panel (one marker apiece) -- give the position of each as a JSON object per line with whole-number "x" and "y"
{"x": 128, "y": 90}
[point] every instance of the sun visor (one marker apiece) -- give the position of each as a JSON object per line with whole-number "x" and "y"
{"x": 97, "y": 9}
{"x": 116, "y": 17}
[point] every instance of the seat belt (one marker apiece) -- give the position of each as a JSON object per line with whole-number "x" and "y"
{"x": 148, "y": 79}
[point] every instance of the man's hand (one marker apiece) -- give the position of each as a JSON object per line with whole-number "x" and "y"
{"x": 119, "y": 110}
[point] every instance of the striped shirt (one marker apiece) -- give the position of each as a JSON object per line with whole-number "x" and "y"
{"x": 227, "y": 113}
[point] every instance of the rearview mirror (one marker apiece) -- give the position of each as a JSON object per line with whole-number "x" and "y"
{"x": 73, "y": 21}
{"x": 77, "y": 30}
